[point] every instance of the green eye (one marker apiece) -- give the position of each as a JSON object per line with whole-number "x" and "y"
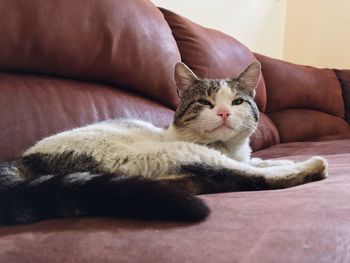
{"x": 206, "y": 103}
{"x": 237, "y": 102}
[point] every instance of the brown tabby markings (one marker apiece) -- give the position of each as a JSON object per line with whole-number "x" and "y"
{"x": 188, "y": 110}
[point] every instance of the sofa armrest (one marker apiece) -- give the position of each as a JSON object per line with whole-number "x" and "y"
{"x": 303, "y": 102}
{"x": 344, "y": 79}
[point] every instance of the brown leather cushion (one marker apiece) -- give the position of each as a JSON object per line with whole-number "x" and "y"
{"x": 124, "y": 43}
{"x": 266, "y": 134}
{"x": 33, "y": 107}
{"x": 344, "y": 78}
{"x": 303, "y": 124}
{"x": 294, "y": 86}
{"x": 210, "y": 53}
{"x": 308, "y": 223}
{"x": 303, "y": 102}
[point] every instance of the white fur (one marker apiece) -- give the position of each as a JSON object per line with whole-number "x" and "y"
{"x": 79, "y": 178}
{"x": 131, "y": 147}
{"x": 138, "y": 148}
{"x": 41, "y": 179}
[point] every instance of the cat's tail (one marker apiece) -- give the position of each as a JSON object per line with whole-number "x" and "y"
{"x": 84, "y": 194}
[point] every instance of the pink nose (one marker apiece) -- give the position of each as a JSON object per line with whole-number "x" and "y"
{"x": 223, "y": 114}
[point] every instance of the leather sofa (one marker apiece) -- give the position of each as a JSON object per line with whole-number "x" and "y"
{"x": 65, "y": 64}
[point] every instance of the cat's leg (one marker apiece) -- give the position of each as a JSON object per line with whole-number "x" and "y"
{"x": 199, "y": 169}
{"x": 291, "y": 174}
{"x": 275, "y": 173}
{"x": 201, "y": 178}
{"x": 257, "y": 162}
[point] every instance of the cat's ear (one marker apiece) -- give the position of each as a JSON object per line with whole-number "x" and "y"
{"x": 184, "y": 78}
{"x": 250, "y": 77}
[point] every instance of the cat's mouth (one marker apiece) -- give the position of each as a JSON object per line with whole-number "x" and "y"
{"x": 222, "y": 126}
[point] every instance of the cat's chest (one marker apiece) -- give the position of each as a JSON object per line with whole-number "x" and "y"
{"x": 239, "y": 152}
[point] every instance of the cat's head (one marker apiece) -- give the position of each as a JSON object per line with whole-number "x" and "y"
{"x": 217, "y": 109}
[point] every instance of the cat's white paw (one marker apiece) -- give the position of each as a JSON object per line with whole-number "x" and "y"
{"x": 314, "y": 169}
{"x": 282, "y": 162}
{"x": 257, "y": 162}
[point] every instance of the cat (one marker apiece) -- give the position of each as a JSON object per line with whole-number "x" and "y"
{"x": 130, "y": 168}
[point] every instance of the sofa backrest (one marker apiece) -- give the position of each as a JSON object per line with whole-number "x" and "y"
{"x": 123, "y": 43}
{"x": 305, "y": 103}
{"x": 50, "y": 49}
{"x": 64, "y": 64}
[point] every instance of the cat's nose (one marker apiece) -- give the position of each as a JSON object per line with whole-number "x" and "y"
{"x": 224, "y": 114}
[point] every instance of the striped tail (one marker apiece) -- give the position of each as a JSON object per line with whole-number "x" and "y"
{"x": 85, "y": 194}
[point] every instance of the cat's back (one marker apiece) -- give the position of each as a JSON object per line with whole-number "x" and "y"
{"x": 123, "y": 127}
{"x": 110, "y": 133}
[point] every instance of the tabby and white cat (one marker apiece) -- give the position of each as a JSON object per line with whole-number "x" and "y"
{"x": 130, "y": 168}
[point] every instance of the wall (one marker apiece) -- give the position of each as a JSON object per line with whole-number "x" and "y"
{"x": 318, "y": 33}
{"x": 259, "y": 24}
{"x": 312, "y": 32}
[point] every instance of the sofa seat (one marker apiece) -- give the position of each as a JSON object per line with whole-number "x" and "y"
{"x": 300, "y": 150}
{"x": 291, "y": 225}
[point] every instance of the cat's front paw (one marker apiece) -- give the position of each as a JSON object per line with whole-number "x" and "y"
{"x": 315, "y": 169}
{"x": 281, "y": 162}
{"x": 257, "y": 162}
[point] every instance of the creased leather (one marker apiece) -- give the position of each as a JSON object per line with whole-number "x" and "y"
{"x": 295, "y": 86}
{"x": 110, "y": 41}
{"x": 34, "y": 107}
{"x": 302, "y": 124}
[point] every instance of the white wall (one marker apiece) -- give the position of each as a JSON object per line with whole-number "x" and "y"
{"x": 318, "y": 33}
{"x": 310, "y": 32}
{"x": 259, "y": 24}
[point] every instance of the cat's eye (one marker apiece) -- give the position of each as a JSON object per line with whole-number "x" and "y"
{"x": 237, "y": 102}
{"x": 206, "y": 103}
